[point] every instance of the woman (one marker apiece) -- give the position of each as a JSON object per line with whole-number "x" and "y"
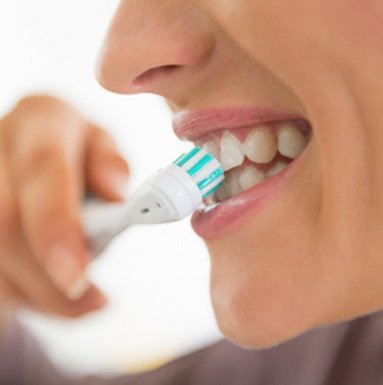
{"x": 300, "y": 248}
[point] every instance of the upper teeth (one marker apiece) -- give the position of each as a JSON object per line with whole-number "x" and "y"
{"x": 291, "y": 141}
{"x": 231, "y": 151}
{"x": 260, "y": 146}
{"x": 211, "y": 148}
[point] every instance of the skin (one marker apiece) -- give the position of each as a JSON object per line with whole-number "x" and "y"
{"x": 313, "y": 256}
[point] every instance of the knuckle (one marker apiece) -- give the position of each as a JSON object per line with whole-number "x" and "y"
{"x": 40, "y": 101}
{"x": 50, "y": 111}
{"x": 47, "y": 226}
{"x": 34, "y": 161}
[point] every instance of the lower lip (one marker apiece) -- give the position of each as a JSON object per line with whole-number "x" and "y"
{"x": 230, "y": 215}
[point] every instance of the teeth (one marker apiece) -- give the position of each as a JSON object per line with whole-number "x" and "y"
{"x": 222, "y": 194}
{"x": 260, "y": 145}
{"x": 211, "y": 148}
{"x": 277, "y": 168}
{"x": 232, "y": 184}
{"x": 209, "y": 201}
{"x": 291, "y": 141}
{"x": 250, "y": 177}
{"x": 231, "y": 153}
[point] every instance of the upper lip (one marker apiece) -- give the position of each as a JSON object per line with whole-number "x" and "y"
{"x": 192, "y": 125}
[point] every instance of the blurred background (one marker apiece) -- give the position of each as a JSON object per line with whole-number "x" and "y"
{"x": 159, "y": 295}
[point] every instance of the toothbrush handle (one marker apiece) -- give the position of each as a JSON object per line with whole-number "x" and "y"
{"x": 168, "y": 195}
{"x": 102, "y": 221}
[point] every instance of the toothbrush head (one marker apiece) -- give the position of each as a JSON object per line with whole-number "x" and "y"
{"x": 176, "y": 191}
{"x": 203, "y": 168}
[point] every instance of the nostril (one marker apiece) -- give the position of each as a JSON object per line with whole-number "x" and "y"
{"x": 153, "y": 73}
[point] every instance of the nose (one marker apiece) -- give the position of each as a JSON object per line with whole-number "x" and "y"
{"x": 152, "y": 44}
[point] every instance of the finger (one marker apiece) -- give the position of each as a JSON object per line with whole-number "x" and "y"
{"x": 46, "y": 155}
{"x": 36, "y": 289}
{"x": 8, "y": 221}
{"x": 106, "y": 170}
{"x": 9, "y": 294}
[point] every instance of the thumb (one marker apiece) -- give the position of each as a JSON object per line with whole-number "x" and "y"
{"x": 106, "y": 170}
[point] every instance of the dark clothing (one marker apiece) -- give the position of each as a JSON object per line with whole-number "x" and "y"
{"x": 349, "y": 353}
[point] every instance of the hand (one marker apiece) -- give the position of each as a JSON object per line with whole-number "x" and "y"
{"x": 49, "y": 157}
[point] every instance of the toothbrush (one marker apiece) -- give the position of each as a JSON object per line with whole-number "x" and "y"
{"x": 169, "y": 195}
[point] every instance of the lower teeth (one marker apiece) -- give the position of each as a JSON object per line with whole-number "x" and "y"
{"x": 276, "y": 169}
{"x": 239, "y": 180}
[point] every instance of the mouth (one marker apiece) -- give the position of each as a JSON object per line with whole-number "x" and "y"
{"x": 258, "y": 151}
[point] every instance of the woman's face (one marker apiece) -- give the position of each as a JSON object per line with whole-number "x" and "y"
{"x": 303, "y": 248}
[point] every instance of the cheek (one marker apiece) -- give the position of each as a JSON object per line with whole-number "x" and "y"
{"x": 297, "y": 38}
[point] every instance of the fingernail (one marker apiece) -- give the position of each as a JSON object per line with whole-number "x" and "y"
{"x": 63, "y": 268}
{"x": 119, "y": 183}
{"x": 78, "y": 289}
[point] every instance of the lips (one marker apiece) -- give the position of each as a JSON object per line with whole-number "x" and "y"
{"x": 193, "y": 125}
{"x": 229, "y": 215}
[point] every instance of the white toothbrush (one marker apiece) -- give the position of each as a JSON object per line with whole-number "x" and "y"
{"x": 168, "y": 195}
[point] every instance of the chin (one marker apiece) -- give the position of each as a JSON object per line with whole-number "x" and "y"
{"x": 256, "y": 332}
{"x": 253, "y": 322}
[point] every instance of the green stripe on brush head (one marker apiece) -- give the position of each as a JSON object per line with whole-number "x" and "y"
{"x": 210, "y": 179}
{"x": 179, "y": 158}
{"x": 185, "y": 157}
{"x": 200, "y": 164}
